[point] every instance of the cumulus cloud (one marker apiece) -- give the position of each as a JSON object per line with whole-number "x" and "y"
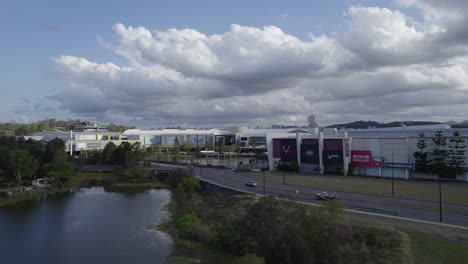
{"x": 384, "y": 65}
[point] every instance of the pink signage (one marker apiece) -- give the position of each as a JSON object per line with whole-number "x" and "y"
{"x": 362, "y": 158}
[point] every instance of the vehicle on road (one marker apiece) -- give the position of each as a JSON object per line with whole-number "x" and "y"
{"x": 251, "y": 184}
{"x": 326, "y": 196}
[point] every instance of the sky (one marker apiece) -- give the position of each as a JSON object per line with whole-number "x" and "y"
{"x": 222, "y": 63}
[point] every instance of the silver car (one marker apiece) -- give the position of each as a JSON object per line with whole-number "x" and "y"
{"x": 251, "y": 184}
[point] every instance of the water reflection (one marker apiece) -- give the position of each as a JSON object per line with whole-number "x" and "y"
{"x": 89, "y": 226}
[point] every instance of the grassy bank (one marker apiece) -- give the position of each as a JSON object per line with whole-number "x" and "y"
{"x": 82, "y": 179}
{"x": 452, "y": 192}
{"x": 154, "y": 184}
{"x": 432, "y": 249}
{"x": 99, "y": 176}
{"x": 32, "y": 195}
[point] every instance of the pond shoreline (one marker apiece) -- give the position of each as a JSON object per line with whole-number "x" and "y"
{"x": 105, "y": 180}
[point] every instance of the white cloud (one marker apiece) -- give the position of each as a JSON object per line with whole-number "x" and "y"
{"x": 385, "y": 65}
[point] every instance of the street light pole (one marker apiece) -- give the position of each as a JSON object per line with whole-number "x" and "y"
{"x": 393, "y": 178}
{"x": 440, "y": 200}
{"x": 263, "y": 182}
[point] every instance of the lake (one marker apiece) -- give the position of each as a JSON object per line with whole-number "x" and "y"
{"x": 90, "y": 225}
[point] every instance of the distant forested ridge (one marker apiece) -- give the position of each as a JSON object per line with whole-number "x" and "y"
{"x": 374, "y": 124}
{"x": 19, "y": 129}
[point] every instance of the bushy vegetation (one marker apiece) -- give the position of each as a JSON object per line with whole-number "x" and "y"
{"x": 279, "y": 231}
{"x": 21, "y": 160}
{"x": 293, "y": 166}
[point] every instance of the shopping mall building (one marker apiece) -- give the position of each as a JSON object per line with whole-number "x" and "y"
{"x": 382, "y": 152}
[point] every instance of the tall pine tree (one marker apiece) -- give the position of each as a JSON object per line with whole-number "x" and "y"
{"x": 421, "y": 157}
{"x": 456, "y": 159}
{"x": 439, "y": 155}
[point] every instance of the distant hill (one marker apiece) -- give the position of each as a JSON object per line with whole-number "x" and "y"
{"x": 374, "y": 124}
{"x": 462, "y": 124}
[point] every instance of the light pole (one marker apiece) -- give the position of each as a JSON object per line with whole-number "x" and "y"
{"x": 393, "y": 178}
{"x": 264, "y": 182}
{"x": 440, "y": 200}
{"x": 284, "y": 176}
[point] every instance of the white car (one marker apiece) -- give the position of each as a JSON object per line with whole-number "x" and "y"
{"x": 326, "y": 196}
{"x": 251, "y": 184}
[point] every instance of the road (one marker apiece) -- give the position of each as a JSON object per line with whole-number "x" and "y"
{"x": 416, "y": 209}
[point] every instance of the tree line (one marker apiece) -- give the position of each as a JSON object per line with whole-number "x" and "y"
{"x": 446, "y": 160}
{"x": 18, "y": 129}
{"x": 22, "y": 160}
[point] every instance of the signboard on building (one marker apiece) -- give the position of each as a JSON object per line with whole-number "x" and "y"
{"x": 332, "y": 157}
{"x": 408, "y": 166}
{"x": 377, "y": 161}
{"x": 361, "y": 158}
{"x": 364, "y": 158}
{"x": 93, "y": 145}
{"x": 80, "y": 145}
{"x": 288, "y": 149}
{"x": 310, "y": 154}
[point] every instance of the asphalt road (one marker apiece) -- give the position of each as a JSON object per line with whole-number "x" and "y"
{"x": 362, "y": 202}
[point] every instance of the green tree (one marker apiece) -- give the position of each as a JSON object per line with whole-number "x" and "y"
{"x": 456, "y": 159}
{"x": 118, "y": 157}
{"x": 187, "y": 146}
{"x": 130, "y": 159}
{"x": 209, "y": 146}
{"x": 61, "y": 173}
{"x": 175, "y": 152}
{"x": 108, "y": 152}
{"x": 439, "y": 154}
{"x": 421, "y": 157}
{"x": 3, "y": 178}
{"x": 22, "y": 164}
{"x": 52, "y": 147}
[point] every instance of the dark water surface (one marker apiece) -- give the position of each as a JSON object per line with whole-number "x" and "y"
{"x": 87, "y": 226}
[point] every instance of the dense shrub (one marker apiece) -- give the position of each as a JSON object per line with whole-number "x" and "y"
{"x": 186, "y": 224}
{"x": 175, "y": 177}
{"x": 190, "y": 184}
{"x": 282, "y": 231}
{"x": 135, "y": 174}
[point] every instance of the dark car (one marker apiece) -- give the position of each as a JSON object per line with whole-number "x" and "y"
{"x": 251, "y": 184}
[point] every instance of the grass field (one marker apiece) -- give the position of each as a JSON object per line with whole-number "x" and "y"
{"x": 92, "y": 175}
{"x": 432, "y": 249}
{"x": 452, "y": 192}
{"x": 158, "y": 185}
